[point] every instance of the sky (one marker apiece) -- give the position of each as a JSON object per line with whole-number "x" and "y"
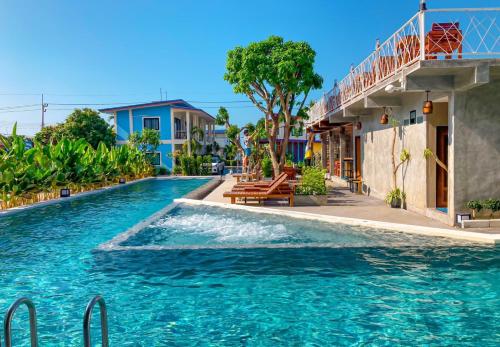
{"x": 107, "y": 52}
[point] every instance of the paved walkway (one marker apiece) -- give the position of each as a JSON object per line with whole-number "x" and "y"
{"x": 343, "y": 203}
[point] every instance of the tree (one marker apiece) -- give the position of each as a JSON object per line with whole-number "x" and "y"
{"x": 146, "y": 141}
{"x": 277, "y": 76}
{"x": 403, "y": 157}
{"x": 80, "y": 124}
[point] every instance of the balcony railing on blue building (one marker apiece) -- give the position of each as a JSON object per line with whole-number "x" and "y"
{"x": 437, "y": 34}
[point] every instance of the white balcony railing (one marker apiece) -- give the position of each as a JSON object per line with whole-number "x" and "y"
{"x": 428, "y": 35}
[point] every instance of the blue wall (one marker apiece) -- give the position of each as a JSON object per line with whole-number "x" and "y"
{"x": 162, "y": 111}
{"x": 122, "y": 125}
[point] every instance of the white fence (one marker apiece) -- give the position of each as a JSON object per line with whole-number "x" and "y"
{"x": 428, "y": 35}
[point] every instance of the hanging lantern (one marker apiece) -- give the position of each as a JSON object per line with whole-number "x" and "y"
{"x": 359, "y": 125}
{"x": 428, "y": 106}
{"x": 384, "y": 119}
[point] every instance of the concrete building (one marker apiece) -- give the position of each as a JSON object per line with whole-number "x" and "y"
{"x": 449, "y": 57}
{"x": 174, "y": 119}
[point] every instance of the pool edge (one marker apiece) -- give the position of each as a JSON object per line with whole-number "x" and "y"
{"x": 406, "y": 228}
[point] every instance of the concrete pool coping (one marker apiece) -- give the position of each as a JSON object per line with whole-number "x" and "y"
{"x": 75, "y": 196}
{"x": 406, "y": 228}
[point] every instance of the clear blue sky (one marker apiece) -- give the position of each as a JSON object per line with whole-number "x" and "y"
{"x": 125, "y": 51}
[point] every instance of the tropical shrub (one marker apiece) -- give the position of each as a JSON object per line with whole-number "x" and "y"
{"x": 489, "y": 204}
{"x": 36, "y": 174}
{"x": 195, "y": 165}
{"x": 395, "y": 196}
{"x": 267, "y": 167}
{"x": 313, "y": 181}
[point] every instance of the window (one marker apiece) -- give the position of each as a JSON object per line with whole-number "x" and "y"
{"x": 413, "y": 117}
{"x": 151, "y": 123}
{"x": 155, "y": 158}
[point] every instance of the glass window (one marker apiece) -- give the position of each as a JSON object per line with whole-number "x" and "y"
{"x": 152, "y": 123}
{"x": 155, "y": 158}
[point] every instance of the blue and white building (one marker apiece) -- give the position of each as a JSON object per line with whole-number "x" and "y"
{"x": 174, "y": 119}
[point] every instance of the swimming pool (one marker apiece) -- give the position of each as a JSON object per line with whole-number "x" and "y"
{"x": 370, "y": 288}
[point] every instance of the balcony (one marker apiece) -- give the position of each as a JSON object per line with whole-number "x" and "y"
{"x": 437, "y": 34}
{"x": 180, "y": 135}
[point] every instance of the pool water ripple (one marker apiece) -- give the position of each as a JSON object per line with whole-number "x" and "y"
{"x": 385, "y": 288}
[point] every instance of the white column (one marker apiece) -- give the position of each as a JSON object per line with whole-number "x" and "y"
{"x": 323, "y": 149}
{"x": 331, "y": 152}
{"x": 341, "y": 153}
{"x": 188, "y": 131}
{"x": 130, "y": 120}
{"x": 172, "y": 134}
{"x": 172, "y": 127}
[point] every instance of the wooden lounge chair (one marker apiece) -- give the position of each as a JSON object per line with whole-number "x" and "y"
{"x": 277, "y": 190}
{"x": 260, "y": 184}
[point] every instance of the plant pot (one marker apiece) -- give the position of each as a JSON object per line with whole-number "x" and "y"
{"x": 484, "y": 213}
{"x": 396, "y": 203}
{"x": 311, "y": 200}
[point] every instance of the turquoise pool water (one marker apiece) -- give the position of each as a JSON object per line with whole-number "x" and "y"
{"x": 372, "y": 288}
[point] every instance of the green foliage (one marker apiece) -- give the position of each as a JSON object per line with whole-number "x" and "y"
{"x": 147, "y": 141}
{"x": 404, "y": 156}
{"x": 274, "y": 74}
{"x": 81, "y": 124}
{"x": 177, "y": 170}
{"x": 194, "y": 165}
{"x": 313, "y": 181}
{"x": 267, "y": 167}
{"x": 395, "y": 195}
{"x": 162, "y": 170}
{"x": 490, "y": 204}
{"x": 30, "y": 175}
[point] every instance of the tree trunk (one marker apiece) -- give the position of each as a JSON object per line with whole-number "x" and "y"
{"x": 286, "y": 137}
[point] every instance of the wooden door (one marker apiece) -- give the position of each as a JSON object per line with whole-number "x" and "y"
{"x": 441, "y": 174}
{"x": 357, "y": 153}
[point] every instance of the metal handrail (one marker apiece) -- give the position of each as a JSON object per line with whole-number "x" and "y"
{"x": 104, "y": 321}
{"x": 8, "y": 321}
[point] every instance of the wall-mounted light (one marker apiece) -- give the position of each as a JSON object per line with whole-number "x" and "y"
{"x": 428, "y": 106}
{"x": 391, "y": 88}
{"x": 122, "y": 180}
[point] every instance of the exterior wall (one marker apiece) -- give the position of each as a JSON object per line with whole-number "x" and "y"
{"x": 163, "y": 112}
{"x": 475, "y": 142}
{"x": 376, "y": 142}
{"x": 165, "y": 150}
{"x": 122, "y": 126}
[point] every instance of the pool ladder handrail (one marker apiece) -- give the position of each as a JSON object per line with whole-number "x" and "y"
{"x": 8, "y": 321}
{"x": 104, "y": 321}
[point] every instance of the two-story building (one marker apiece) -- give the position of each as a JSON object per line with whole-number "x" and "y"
{"x": 438, "y": 78}
{"x": 174, "y": 119}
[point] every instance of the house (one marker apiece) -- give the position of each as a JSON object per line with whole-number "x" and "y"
{"x": 450, "y": 57}
{"x": 174, "y": 119}
{"x": 220, "y": 138}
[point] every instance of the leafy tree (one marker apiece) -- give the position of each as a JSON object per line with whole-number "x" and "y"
{"x": 277, "y": 76}
{"x": 146, "y": 141}
{"x": 81, "y": 124}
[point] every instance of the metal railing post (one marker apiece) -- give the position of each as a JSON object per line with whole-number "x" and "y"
{"x": 104, "y": 321}
{"x": 421, "y": 28}
{"x": 8, "y": 321}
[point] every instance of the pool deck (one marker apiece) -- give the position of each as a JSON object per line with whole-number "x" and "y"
{"x": 346, "y": 207}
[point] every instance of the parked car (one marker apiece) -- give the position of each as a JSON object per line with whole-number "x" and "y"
{"x": 217, "y": 165}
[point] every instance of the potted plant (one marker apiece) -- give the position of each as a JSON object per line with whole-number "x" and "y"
{"x": 312, "y": 190}
{"x": 477, "y": 209}
{"x": 395, "y": 198}
{"x": 491, "y": 207}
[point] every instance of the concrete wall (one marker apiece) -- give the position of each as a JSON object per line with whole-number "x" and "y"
{"x": 376, "y": 140}
{"x": 475, "y": 141}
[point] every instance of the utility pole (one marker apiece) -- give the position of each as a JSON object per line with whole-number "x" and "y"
{"x": 44, "y": 109}
{"x": 161, "y": 95}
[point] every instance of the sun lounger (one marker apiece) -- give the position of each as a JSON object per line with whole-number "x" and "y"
{"x": 277, "y": 190}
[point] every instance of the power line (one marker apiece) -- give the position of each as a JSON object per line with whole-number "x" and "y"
{"x": 16, "y": 106}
